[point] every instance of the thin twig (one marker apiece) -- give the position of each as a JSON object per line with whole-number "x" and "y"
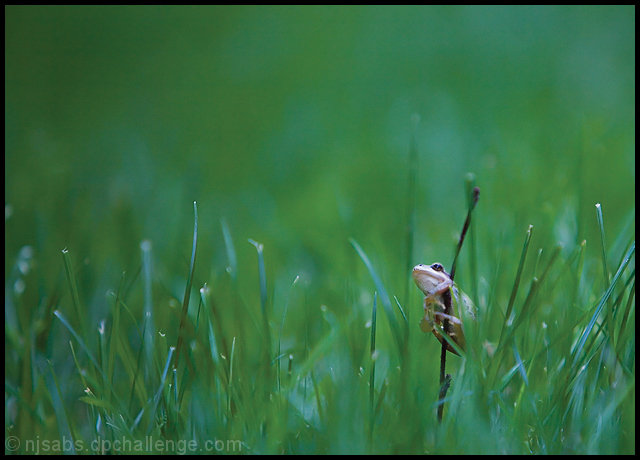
{"x": 445, "y": 380}
{"x": 465, "y": 227}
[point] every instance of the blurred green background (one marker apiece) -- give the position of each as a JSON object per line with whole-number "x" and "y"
{"x": 294, "y": 125}
{"x": 295, "y": 122}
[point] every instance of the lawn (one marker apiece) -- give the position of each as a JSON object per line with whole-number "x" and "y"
{"x": 212, "y": 213}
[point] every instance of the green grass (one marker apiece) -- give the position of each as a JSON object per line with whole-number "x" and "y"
{"x": 555, "y": 373}
{"x": 208, "y": 248}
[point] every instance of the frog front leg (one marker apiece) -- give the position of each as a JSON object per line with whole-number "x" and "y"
{"x": 432, "y": 307}
{"x": 433, "y": 320}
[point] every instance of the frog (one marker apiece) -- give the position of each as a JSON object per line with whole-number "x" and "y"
{"x": 434, "y": 282}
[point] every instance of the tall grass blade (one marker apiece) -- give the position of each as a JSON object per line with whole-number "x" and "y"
{"x": 232, "y": 268}
{"x": 263, "y": 296}
{"x": 473, "y": 198}
{"x": 138, "y": 365}
{"x": 605, "y": 270}
{"x": 156, "y": 398}
{"x": 401, "y": 310}
{"x": 535, "y": 285}
{"x": 84, "y": 347}
{"x": 62, "y": 418}
{"x": 205, "y": 292}
{"x": 284, "y": 315}
{"x": 516, "y": 283}
{"x": 73, "y": 286}
{"x": 625, "y": 316}
{"x": 372, "y": 375}
{"x": 386, "y": 302}
{"x": 411, "y": 205}
{"x": 81, "y": 373}
{"x": 320, "y": 349}
{"x": 187, "y": 290}
{"x": 508, "y": 376}
{"x": 605, "y": 297}
{"x": 115, "y": 333}
{"x": 230, "y": 387}
{"x": 145, "y": 247}
{"x": 262, "y": 274}
{"x": 473, "y": 265}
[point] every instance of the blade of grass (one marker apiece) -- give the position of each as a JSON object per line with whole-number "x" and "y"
{"x": 263, "y": 303}
{"x": 509, "y": 375}
{"x": 320, "y": 349}
{"x": 528, "y": 307}
{"x": 473, "y": 201}
{"x": 284, "y": 314}
{"x": 496, "y": 363}
{"x": 230, "y": 387}
{"x": 473, "y": 266}
{"x": 618, "y": 300}
{"x": 232, "y": 268}
{"x": 411, "y": 204}
{"x": 205, "y": 293}
{"x": 583, "y": 338}
{"x": 386, "y": 302}
{"x": 73, "y": 286}
{"x": 263, "y": 277}
{"x": 187, "y": 291}
{"x": 145, "y": 247}
{"x": 372, "y": 375}
{"x": 587, "y": 349}
{"x": 62, "y": 418}
{"x": 579, "y": 283}
{"x": 115, "y": 333}
{"x": 449, "y": 340}
{"x": 401, "y": 310}
{"x": 605, "y": 270}
{"x": 516, "y": 283}
{"x": 318, "y": 398}
{"x": 64, "y": 321}
{"x": 535, "y": 285}
{"x": 135, "y": 370}
{"x": 215, "y": 325}
{"x": 81, "y": 373}
{"x": 625, "y": 317}
{"x": 527, "y": 370}
{"x": 156, "y": 398}
{"x": 102, "y": 353}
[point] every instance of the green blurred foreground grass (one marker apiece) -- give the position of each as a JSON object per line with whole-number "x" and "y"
{"x": 293, "y": 325}
{"x": 224, "y": 373}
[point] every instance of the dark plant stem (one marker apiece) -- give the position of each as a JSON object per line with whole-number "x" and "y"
{"x": 445, "y": 379}
{"x": 474, "y": 200}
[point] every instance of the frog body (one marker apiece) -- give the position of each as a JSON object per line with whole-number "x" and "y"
{"x": 434, "y": 282}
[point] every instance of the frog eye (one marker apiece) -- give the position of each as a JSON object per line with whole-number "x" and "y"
{"x": 437, "y": 267}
